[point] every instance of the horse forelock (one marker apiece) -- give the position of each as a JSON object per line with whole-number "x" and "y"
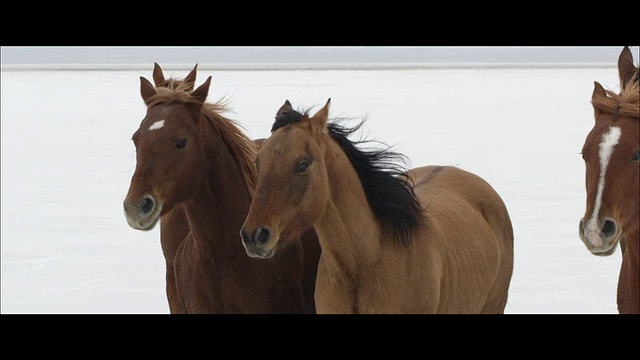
{"x": 175, "y": 84}
{"x": 165, "y": 95}
{"x": 288, "y": 117}
{"x": 627, "y": 103}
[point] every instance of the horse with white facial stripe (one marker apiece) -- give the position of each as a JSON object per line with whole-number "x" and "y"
{"x": 174, "y": 226}
{"x": 612, "y": 154}
{"x": 192, "y": 159}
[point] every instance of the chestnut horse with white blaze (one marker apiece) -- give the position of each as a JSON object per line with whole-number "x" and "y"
{"x": 434, "y": 239}
{"x": 611, "y": 153}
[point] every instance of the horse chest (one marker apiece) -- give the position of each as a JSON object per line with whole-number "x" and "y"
{"x": 400, "y": 287}
{"x": 384, "y": 287}
{"x": 199, "y": 286}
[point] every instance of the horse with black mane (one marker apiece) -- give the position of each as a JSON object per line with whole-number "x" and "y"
{"x": 433, "y": 239}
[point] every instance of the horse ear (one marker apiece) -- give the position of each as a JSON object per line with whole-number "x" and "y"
{"x": 598, "y": 90}
{"x": 202, "y": 91}
{"x": 147, "y": 90}
{"x": 626, "y": 69}
{"x": 190, "y": 79}
{"x": 158, "y": 76}
{"x": 286, "y": 107}
{"x": 321, "y": 117}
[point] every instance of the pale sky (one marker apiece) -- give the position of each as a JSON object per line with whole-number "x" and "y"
{"x": 309, "y": 54}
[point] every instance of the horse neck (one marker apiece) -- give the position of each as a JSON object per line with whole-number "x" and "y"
{"x": 174, "y": 227}
{"x": 219, "y": 206}
{"x": 631, "y": 244}
{"x": 348, "y": 230}
{"x": 631, "y": 224}
{"x": 629, "y": 278}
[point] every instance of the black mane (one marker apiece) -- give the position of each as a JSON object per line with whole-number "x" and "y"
{"x": 389, "y": 192}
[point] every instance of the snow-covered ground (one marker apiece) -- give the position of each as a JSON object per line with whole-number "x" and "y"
{"x": 67, "y": 159}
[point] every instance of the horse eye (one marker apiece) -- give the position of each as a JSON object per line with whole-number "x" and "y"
{"x": 302, "y": 166}
{"x": 636, "y": 156}
{"x": 181, "y": 143}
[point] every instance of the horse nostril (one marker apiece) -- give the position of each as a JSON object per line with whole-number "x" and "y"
{"x": 146, "y": 205}
{"x": 262, "y": 235}
{"x": 581, "y": 229}
{"x": 609, "y": 228}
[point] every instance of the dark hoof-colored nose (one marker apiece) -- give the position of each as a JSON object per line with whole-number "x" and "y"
{"x": 146, "y": 205}
{"x": 609, "y": 228}
{"x": 259, "y": 237}
{"x": 262, "y": 235}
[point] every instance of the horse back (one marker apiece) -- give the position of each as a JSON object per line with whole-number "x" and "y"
{"x": 457, "y": 185}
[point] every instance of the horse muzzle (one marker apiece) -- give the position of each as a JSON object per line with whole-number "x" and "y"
{"x": 144, "y": 214}
{"x": 600, "y": 237}
{"x": 259, "y": 243}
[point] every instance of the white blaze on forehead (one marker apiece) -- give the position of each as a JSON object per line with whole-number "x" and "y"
{"x": 609, "y": 141}
{"x": 157, "y": 125}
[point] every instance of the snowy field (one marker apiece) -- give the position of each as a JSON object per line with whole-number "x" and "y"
{"x": 67, "y": 159}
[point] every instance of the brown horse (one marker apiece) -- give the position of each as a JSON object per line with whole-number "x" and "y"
{"x": 189, "y": 155}
{"x": 611, "y": 153}
{"x": 444, "y": 245}
{"x": 174, "y": 226}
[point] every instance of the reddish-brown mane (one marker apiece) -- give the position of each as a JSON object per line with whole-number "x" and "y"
{"x": 627, "y": 103}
